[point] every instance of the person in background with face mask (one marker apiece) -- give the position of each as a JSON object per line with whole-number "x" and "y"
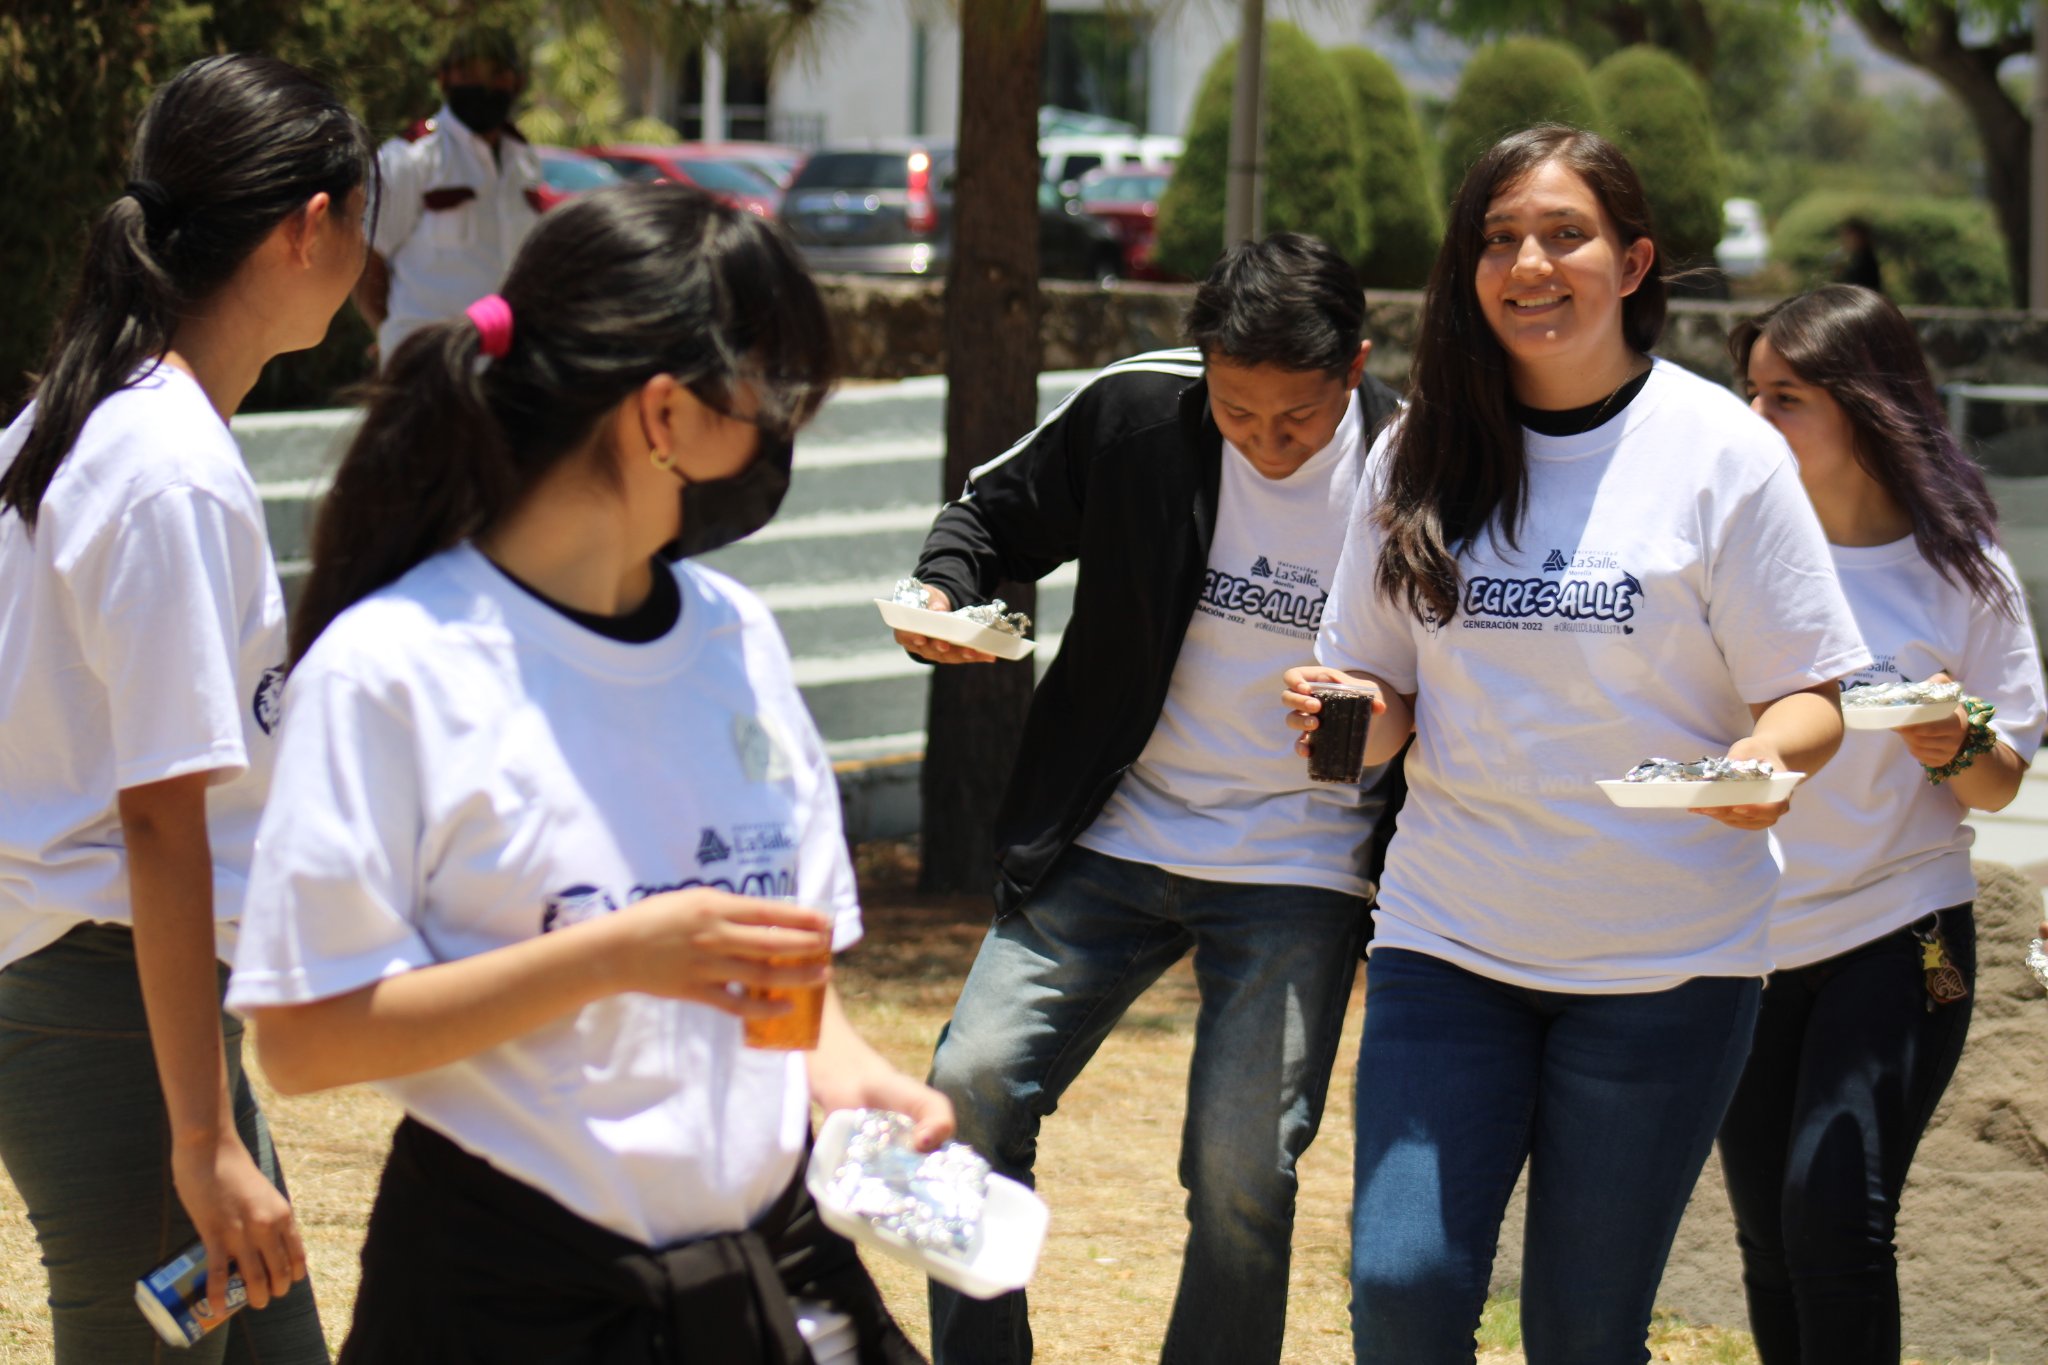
{"x": 518, "y": 714}
{"x": 455, "y": 203}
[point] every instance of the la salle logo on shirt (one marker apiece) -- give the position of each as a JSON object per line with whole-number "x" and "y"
{"x": 711, "y": 848}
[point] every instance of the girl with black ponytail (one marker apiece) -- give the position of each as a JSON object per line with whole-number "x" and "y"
{"x": 549, "y": 805}
{"x": 142, "y": 638}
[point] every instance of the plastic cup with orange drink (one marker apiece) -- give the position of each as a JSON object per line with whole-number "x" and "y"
{"x": 797, "y": 1028}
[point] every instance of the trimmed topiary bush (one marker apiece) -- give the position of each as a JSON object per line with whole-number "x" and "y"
{"x": 1399, "y": 196}
{"x": 1313, "y": 161}
{"x": 1657, "y": 113}
{"x": 1931, "y": 251}
{"x": 1511, "y": 85}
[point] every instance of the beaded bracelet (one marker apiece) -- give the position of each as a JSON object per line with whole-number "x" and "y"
{"x": 1977, "y": 739}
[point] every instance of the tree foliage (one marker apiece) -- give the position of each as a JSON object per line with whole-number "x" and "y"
{"x": 1657, "y": 113}
{"x": 1400, "y": 198}
{"x": 1932, "y": 251}
{"x": 1963, "y": 44}
{"x": 1312, "y": 158}
{"x": 1509, "y": 85}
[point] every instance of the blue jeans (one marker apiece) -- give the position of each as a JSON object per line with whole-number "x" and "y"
{"x": 86, "y": 1140}
{"x": 1851, "y": 1057}
{"x": 1612, "y": 1099}
{"x": 1274, "y": 965}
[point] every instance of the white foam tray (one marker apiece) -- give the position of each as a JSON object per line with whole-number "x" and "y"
{"x": 1013, "y": 1223}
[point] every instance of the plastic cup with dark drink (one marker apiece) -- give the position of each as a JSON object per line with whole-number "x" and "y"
{"x": 1337, "y": 747}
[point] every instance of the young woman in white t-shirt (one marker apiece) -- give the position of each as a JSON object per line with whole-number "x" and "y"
{"x": 1864, "y": 1017}
{"x": 1570, "y": 557}
{"x": 547, "y": 796}
{"x": 142, "y": 636}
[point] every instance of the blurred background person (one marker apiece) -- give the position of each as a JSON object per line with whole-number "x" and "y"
{"x": 454, "y": 203}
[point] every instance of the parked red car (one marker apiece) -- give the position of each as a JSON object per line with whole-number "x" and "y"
{"x": 770, "y": 160}
{"x": 569, "y": 173}
{"x": 1127, "y": 200}
{"x": 694, "y": 163}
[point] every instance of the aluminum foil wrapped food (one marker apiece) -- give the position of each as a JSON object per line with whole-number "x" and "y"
{"x": 1708, "y": 769}
{"x": 910, "y": 592}
{"x": 2037, "y": 961}
{"x": 1902, "y": 694}
{"x": 995, "y": 615}
{"x": 931, "y": 1200}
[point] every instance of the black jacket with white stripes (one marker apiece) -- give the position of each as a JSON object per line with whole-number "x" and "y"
{"x": 1121, "y": 477}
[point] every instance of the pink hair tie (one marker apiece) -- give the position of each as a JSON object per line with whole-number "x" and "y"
{"x": 493, "y": 319}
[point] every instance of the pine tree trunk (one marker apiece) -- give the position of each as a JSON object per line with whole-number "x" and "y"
{"x": 976, "y": 712}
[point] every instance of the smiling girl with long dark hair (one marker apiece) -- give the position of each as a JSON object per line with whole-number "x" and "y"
{"x": 1568, "y": 557}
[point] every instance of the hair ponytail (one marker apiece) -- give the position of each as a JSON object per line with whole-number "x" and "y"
{"x": 608, "y": 291}
{"x": 120, "y": 315}
{"x": 227, "y": 149}
{"x": 428, "y": 467}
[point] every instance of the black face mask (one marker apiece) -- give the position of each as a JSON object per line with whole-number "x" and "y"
{"x": 483, "y": 109}
{"x": 717, "y": 512}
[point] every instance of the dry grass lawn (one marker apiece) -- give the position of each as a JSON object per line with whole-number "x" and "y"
{"x": 1106, "y": 1166}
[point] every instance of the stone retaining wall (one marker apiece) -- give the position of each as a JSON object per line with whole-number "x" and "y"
{"x": 891, "y": 329}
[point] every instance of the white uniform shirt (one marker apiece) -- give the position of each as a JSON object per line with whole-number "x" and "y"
{"x": 1215, "y": 794}
{"x": 461, "y": 768}
{"x": 450, "y": 218}
{"x": 1670, "y": 572}
{"x": 1869, "y": 844}
{"x": 141, "y": 639}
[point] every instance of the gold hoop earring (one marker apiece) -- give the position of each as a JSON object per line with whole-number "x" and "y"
{"x": 661, "y": 460}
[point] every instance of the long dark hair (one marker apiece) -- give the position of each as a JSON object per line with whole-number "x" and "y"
{"x": 1856, "y": 345}
{"x": 607, "y": 292}
{"x": 1457, "y": 460}
{"x": 227, "y": 149}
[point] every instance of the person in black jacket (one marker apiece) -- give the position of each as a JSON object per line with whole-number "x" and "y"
{"x": 1203, "y": 494}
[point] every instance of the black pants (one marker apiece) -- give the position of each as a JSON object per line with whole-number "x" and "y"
{"x": 464, "y": 1265}
{"x": 1848, "y": 1064}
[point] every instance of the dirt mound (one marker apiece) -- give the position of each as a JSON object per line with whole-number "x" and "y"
{"x": 1973, "y": 1228}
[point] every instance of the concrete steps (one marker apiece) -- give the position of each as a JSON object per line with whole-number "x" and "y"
{"x": 865, "y": 492}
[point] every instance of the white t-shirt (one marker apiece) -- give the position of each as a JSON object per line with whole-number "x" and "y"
{"x": 1670, "y": 572}
{"x": 1869, "y": 843}
{"x": 447, "y": 248}
{"x": 142, "y": 637}
{"x": 1214, "y": 794}
{"x": 462, "y": 768}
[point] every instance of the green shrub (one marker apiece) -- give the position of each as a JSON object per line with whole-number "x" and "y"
{"x": 1508, "y": 86}
{"x": 1933, "y": 251}
{"x": 1399, "y": 198}
{"x": 1312, "y": 160}
{"x": 1657, "y": 113}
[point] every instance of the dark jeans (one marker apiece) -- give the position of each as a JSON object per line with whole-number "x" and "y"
{"x": 86, "y": 1140}
{"x": 1612, "y": 1099}
{"x": 1847, "y": 1067}
{"x": 1274, "y": 965}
